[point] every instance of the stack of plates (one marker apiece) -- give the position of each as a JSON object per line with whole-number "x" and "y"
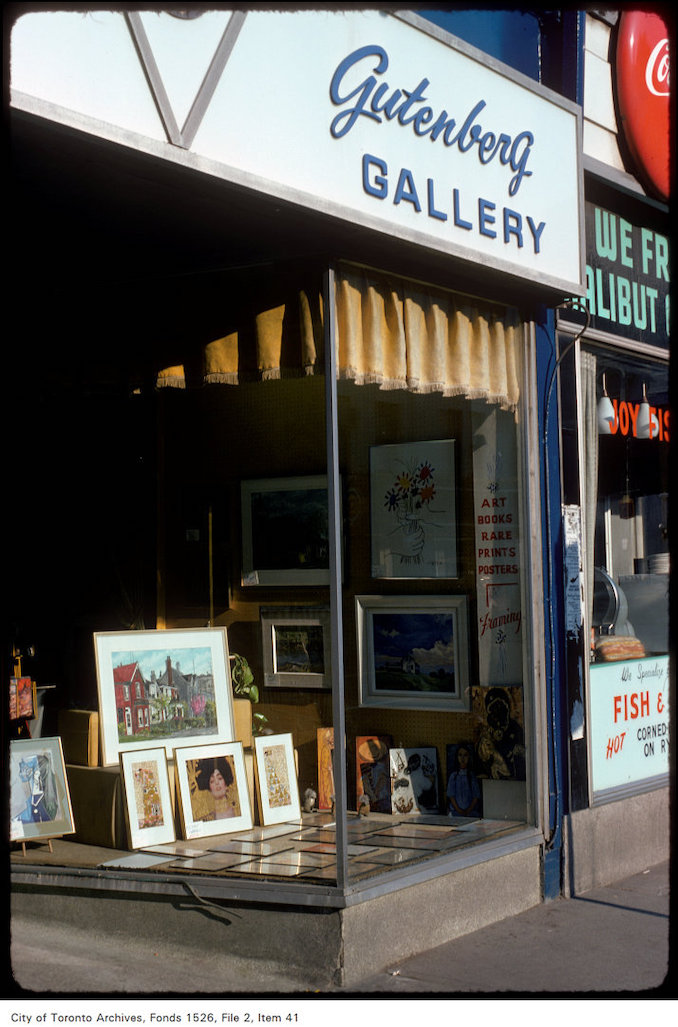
{"x": 659, "y": 563}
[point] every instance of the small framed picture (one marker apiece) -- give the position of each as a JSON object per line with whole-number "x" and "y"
{"x": 213, "y": 792}
{"x": 40, "y": 803}
{"x": 413, "y": 652}
{"x": 150, "y": 817}
{"x": 163, "y": 688}
{"x": 296, "y": 646}
{"x": 277, "y": 785}
{"x": 285, "y": 531}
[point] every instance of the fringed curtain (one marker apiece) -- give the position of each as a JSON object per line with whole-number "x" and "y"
{"x": 391, "y": 332}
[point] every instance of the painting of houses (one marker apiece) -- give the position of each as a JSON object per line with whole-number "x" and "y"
{"x": 156, "y": 698}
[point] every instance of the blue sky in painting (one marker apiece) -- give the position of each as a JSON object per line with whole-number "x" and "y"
{"x": 428, "y": 637}
{"x": 196, "y": 660}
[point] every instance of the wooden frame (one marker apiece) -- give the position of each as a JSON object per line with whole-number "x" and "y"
{"x": 40, "y": 802}
{"x": 148, "y": 798}
{"x": 296, "y": 643}
{"x": 413, "y": 510}
{"x": 162, "y": 688}
{"x": 285, "y": 531}
{"x": 209, "y": 807}
{"x": 413, "y": 652}
{"x": 276, "y": 777}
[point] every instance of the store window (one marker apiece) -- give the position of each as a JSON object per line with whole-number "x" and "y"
{"x": 437, "y": 703}
{"x": 626, "y": 434}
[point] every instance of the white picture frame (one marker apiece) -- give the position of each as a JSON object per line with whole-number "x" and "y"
{"x": 39, "y": 801}
{"x": 276, "y": 777}
{"x": 163, "y": 688}
{"x": 285, "y": 531}
{"x": 207, "y": 810}
{"x": 149, "y": 810}
{"x": 413, "y": 652}
{"x": 296, "y": 646}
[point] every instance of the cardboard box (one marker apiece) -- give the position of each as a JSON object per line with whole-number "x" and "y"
{"x": 79, "y": 732}
{"x": 97, "y": 803}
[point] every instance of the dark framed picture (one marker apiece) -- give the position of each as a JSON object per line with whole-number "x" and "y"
{"x": 285, "y": 531}
{"x": 296, "y": 644}
{"x": 413, "y": 652}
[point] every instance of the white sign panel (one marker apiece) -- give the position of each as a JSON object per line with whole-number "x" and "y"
{"x": 498, "y": 559}
{"x": 629, "y": 721}
{"x": 359, "y": 114}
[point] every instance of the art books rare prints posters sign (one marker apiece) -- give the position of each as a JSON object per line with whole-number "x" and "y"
{"x": 497, "y": 548}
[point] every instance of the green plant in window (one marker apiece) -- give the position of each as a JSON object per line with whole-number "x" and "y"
{"x": 245, "y": 688}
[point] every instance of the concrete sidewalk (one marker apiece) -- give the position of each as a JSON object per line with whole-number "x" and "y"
{"x": 610, "y": 940}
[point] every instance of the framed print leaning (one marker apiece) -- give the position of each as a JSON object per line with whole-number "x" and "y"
{"x": 413, "y": 510}
{"x": 40, "y": 804}
{"x": 166, "y": 688}
{"x": 212, "y": 788}
{"x": 296, "y": 646}
{"x": 277, "y": 786}
{"x": 413, "y": 652}
{"x": 285, "y": 531}
{"x": 150, "y": 817}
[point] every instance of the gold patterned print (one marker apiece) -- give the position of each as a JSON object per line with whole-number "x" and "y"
{"x": 147, "y": 800}
{"x": 277, "y": 779}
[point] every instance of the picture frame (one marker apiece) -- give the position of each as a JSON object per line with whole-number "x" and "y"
{"x": 148, "y": 798}
{"x": 413, "y": 652}
{"x": 207, "y": 805}
{"x": 296, "y": 645}
{"x": 414, "y": 780}
{"x": 285, "y": 531}
{"x": 276, "y": 777}
{"x": 163, "y": 688}
{"x": 40, "y": 802}
{"x": 413, "y": 510}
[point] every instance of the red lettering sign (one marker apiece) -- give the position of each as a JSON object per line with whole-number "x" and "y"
{"x": 642, "y": 85}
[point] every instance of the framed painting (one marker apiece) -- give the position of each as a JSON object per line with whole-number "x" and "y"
{"x": 413, "y": 652}
{"x": 414, "y": 780}
{"x": 277, "y": 786}
{"x": 463, "y": 791}
{"x": 413, "y": 510}
{"x": 212, "y": 789}
{"x": 40, "y": 803}
{"x": 148, "y": 799}
{"x": 296, "y": 643}
{"x": 285, "y": 531}
{"x": 22, "y": 699}
{"x": 163, "y": 688}
{"x": 373, "y": 784}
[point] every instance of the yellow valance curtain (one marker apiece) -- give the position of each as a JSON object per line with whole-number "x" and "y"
{"x": 391, "y": 332}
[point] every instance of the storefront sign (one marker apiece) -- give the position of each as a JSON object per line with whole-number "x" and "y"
{"x": 627, "y": 277}
{"x": 642, "y": 90}
{"x": 629, "y": 721}
{"x": 367, "y": 117}
{"x": 497, "y": 535}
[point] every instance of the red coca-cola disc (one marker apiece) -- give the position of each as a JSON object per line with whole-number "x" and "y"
{"x": 642, "y": 86}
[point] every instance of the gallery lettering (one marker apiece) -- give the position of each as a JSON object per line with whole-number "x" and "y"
{"x": 406, "y": 107}
{"x": 444, "y": 203}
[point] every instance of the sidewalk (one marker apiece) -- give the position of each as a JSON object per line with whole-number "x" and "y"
{"x": 609, "y": 940}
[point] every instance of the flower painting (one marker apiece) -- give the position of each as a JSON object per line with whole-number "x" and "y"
{"x": 412, "y": 491}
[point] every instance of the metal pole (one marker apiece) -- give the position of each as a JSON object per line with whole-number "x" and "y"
{"x": 335, "y": 540}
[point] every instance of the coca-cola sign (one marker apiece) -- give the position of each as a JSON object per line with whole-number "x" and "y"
{"x": 642, "y": 88}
